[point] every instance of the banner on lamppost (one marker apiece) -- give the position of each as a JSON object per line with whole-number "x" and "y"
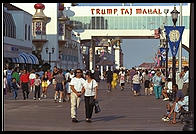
{"x": 163, "y": 54}
{"x": 174, "y": 37}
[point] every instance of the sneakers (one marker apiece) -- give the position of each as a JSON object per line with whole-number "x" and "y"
{"x": 74, "y": 120}
{"x": 88, "y": 120}
{"x": 34, "y": 98}
{"x": 45, "y": 96}
{"x": 165, "y": 119}
{"x": 39, "y": 98}
{"x": 165, "y": 99}
{"x": 60, "y": 100}
{"x": 42, "y": 95}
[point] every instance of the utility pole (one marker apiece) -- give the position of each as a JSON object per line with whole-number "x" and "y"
{"x": 180, "y": 45}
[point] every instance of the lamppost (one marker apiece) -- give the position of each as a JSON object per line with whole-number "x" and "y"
{"x": 174, "y": 14}
{"x": 166, "y": 45}
{"x": 166, "y": 62}
{"x": 49, "y": 53}
{"x": 60, "y": 58}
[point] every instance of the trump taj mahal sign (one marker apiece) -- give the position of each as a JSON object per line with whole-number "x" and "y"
{"x": 124, "y": 11}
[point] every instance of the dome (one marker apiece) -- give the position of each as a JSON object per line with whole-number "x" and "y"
{"x": 39, "y": 6}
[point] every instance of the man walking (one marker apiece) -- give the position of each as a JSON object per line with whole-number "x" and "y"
{"x": 109, "y": 75}
{"x": 24, "y": 83}
{"x": 97, "y": 75}
{"x": 76, "y": 84}
{"x": 60, "y": 86}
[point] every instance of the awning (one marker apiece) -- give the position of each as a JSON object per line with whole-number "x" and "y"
{"x": 26, "y": 58}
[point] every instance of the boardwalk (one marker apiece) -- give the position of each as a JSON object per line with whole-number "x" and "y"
{"x": 121, "y": 111}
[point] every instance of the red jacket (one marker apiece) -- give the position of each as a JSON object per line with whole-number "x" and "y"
{"x": 24, "y": 78}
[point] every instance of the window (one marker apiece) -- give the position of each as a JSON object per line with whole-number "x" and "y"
{"x": 29, "y": 33}
{"x": 25, "y": 31}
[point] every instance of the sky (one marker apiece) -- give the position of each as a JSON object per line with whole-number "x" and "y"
{"x": 137, "y": 51}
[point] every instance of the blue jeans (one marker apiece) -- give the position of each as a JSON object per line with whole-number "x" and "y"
{"x": 157, "y": 91}
{"x": 15, "y": 93}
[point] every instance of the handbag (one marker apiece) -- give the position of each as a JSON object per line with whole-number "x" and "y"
{"x": 48, "y": 82}
{"x": 97, "y": 108}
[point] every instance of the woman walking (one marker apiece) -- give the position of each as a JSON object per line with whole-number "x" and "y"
{"x": 136, "y": 84}
{"x": 37, "y": 84}
{"x": 90, "y": 95}
{"x": 157, "y": 85}
{"x": 122, "y": 79}
{"x": 146, "y": 80}
{"x": 54, "y": 73}
{"x": 32, "y": 79}
{"x": 44, "y": 85}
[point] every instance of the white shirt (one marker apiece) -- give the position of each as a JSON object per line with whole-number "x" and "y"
{"x": 90, "y": 88}
{"x": 169, "y": 85}
{"x": 32, "y": 76}
{"x": 136, "y": 79}
{"x": 122, "y": 77}
{"x": 186, "y": 77}
{"x": 4, "y": 82}
{"x": 71, "y": 76}
{"x": 5, "y": 72}
{"x": 78, "y": 83}
{"x": 67, "y": 75}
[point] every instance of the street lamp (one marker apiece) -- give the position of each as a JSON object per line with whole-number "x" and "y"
{"x": 49, "y": 53}
{"x": 166, "y": 62}
{"x": 60, "y": 57}
{"x": 174, "y": 15}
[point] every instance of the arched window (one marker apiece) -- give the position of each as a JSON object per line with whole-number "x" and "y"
{"x": 14, "y": 32}
{"x": 29, "y": 33}
{"x": 25, "y": 31}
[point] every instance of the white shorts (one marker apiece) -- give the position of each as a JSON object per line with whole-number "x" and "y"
{"x": 53, "y": 81}
{"x": 183, "y": 103}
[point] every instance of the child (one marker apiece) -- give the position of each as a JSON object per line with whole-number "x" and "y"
{"x": 14, "y": 87}
{"x": 37, "y": 84}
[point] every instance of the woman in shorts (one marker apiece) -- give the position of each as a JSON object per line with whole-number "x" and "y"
{"x": 44, "y": 84}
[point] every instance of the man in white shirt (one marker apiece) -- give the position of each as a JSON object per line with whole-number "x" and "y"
{"x": 77, "y": 85}
{"x": 185, "y": 81}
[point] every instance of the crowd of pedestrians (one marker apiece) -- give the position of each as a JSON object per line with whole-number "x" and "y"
{"x": 70, "y": 85}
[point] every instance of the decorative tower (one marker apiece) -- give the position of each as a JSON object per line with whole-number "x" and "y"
{"x": 39, "y": 28}
{"x": 61, "y": 22}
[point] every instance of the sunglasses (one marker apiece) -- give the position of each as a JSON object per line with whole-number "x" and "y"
{"x": 78, "y": 72}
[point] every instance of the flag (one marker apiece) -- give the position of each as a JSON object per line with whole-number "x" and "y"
{"x": 174, "y": 35}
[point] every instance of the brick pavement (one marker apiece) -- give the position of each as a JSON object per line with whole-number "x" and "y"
{"x": 121, "y": 111}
